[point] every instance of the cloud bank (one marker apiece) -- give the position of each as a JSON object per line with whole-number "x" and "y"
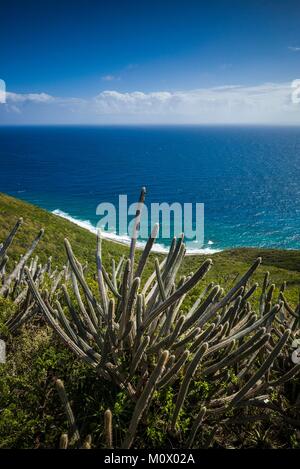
{"x": 29, "y": 97}
{"x": 269, "y": 103}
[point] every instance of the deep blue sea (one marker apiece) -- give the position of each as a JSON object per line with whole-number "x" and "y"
{"x": 247, "y": 177}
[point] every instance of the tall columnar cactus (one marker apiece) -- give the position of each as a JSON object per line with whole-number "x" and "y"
{"x": 74, "y": 433}
{"x": 108, "y": 429}
{"x": 64, "y": 441}
{"x": 134, "y": 333}
{"x": 145, "y": 398}
{"x": 73, "y": 438}
{"x": 13, "y": 284}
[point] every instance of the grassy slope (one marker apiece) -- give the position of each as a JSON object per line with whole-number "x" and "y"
{"x": 282, "y": 265}
{"x": 30, "y": 414}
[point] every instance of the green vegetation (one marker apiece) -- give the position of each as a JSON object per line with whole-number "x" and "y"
{"x": 166, "y": 411}
{"x": 227, "y": 265}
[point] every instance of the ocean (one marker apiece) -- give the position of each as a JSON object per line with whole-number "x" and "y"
{"x": 247, "y": 177}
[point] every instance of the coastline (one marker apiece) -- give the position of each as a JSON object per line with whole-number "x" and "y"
{"x": 14, "y": 207}
{"x": 125, "y": 240}
{"x": 57, "y": 228}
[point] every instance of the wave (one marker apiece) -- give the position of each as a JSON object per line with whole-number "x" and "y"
{"x": 125, "y": 239}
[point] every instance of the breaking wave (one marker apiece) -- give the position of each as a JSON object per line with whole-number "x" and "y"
{"x": 125, "y": 239}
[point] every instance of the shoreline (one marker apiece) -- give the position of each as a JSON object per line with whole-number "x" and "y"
{"x": 125, "y": 240}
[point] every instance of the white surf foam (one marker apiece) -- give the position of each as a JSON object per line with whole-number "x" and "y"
{"x": 124, "y": 239}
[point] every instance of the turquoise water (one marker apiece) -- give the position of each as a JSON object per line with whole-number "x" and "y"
{"x": 247, "y": 177}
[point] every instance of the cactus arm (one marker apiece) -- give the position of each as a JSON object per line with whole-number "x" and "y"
{"x": 20, "y": 265}
{"x": 136, "y": 229}
{"x": 53, "y": 323}
{"x": 4, "y": 247}
{"x": 169, "y": 276}
{"x": 108, "y": 429}
{"x": 18, "y": 320}
{"x": 262, "y": 370}
{"x": 204, "y": 336}
{"x": 138, "y": 355}
{"x": 202, "y": 308}
{"x": 110, "y": 284}
{"x": 188, "y": 338}
{"x": 75, "y": 436}
{"x": 170, "y": 338}
{"x": 240, "y": 354}
{"x": 178, "y": 293}
{"x": 239, "y": 284}
{"x": 286, "y": 377}
{"x": 239, "y": 335}
{"x": 87, "y": 443}
{"x": 64, "y": 441}
{"x": 132, "y": 298}
{"x": 197, "y": 422}
{"x": 146, "y": 251}
{"x": 174, "y": 370}
{"x": 91, "y": 328}
{"x": 186, "y": 382}
{"x": 160, "y": 281}
{"x": 79, "y": 276}
{"x": 76, "y": 318}
{"x": 101, "y": 284}
{"x": 66, "y": 324}
{"x": 151, "y": 278}
{"x": 144, "y": 399}
{"x": 250, "y": 292}
{"x": 124, "y": 300}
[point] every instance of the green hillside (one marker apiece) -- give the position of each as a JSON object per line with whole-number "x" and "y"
{"x": 31, "y": 415}
{"x": 282, "y": 265}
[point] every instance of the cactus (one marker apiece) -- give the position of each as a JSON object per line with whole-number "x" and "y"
{"x": 262, "y": 370}
{"x": 19, "y": 266}
{"x": 87, "y": 443}
{"x": 73, "y": 440}
{"x": 64, "y": 441}
{"x": 144, "y": 399}
{"x": 198, "y": 421}
{"x": 186, "y": 382}
{"x": 108, "y": 429}
{"x": 13, "y": 284}
{"x": 75, "y": 437}
{"x": 133, "y": 331}
{"x": 220, "y": 329}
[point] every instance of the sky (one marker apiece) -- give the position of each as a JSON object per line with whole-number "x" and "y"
{"x": 156, "y": 62}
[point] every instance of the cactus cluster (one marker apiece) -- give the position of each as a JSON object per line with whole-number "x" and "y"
{"x": 134, "y": 334}
{"x": 73, "y": 438}
{"x": 13, "y": 284}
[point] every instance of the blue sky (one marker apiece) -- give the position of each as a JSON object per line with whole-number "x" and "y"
{"x": 149, "y": 61}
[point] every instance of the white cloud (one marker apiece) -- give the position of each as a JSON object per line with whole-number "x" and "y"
{"x": 268, "y": 103}
{"x": 31, "y": 97}
{"x": 110, "y": 78}
{"x": 136, "y": 102}
{"x": 294, "y": 49}
{"x": 228, "y": 104}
